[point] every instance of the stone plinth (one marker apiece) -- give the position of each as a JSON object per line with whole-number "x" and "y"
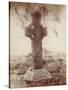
{"x": 37, "y": 75}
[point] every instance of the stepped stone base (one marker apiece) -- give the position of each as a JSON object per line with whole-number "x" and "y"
{"x": 37, "y": 75}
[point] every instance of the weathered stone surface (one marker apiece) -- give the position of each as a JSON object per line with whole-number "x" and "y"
{"x": 36, "y": 32}
{"x": 37, "y": 75}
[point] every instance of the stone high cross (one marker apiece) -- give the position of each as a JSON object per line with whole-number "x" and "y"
{"x": 36, "y": 32}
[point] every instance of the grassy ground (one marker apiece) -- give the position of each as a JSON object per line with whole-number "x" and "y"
{"x": 56, "y": 67}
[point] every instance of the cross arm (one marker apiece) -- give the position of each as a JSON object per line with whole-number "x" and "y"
{"x": 29, "y": 33}
{"x": 44, "y": 32}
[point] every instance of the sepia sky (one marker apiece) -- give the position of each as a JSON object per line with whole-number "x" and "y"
{"x": 55, "y": 41}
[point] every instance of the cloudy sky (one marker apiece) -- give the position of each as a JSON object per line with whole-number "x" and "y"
{"x": 55, "y": 41}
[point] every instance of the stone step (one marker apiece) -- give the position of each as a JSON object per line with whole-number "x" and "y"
{"x": 37, "y": 75}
